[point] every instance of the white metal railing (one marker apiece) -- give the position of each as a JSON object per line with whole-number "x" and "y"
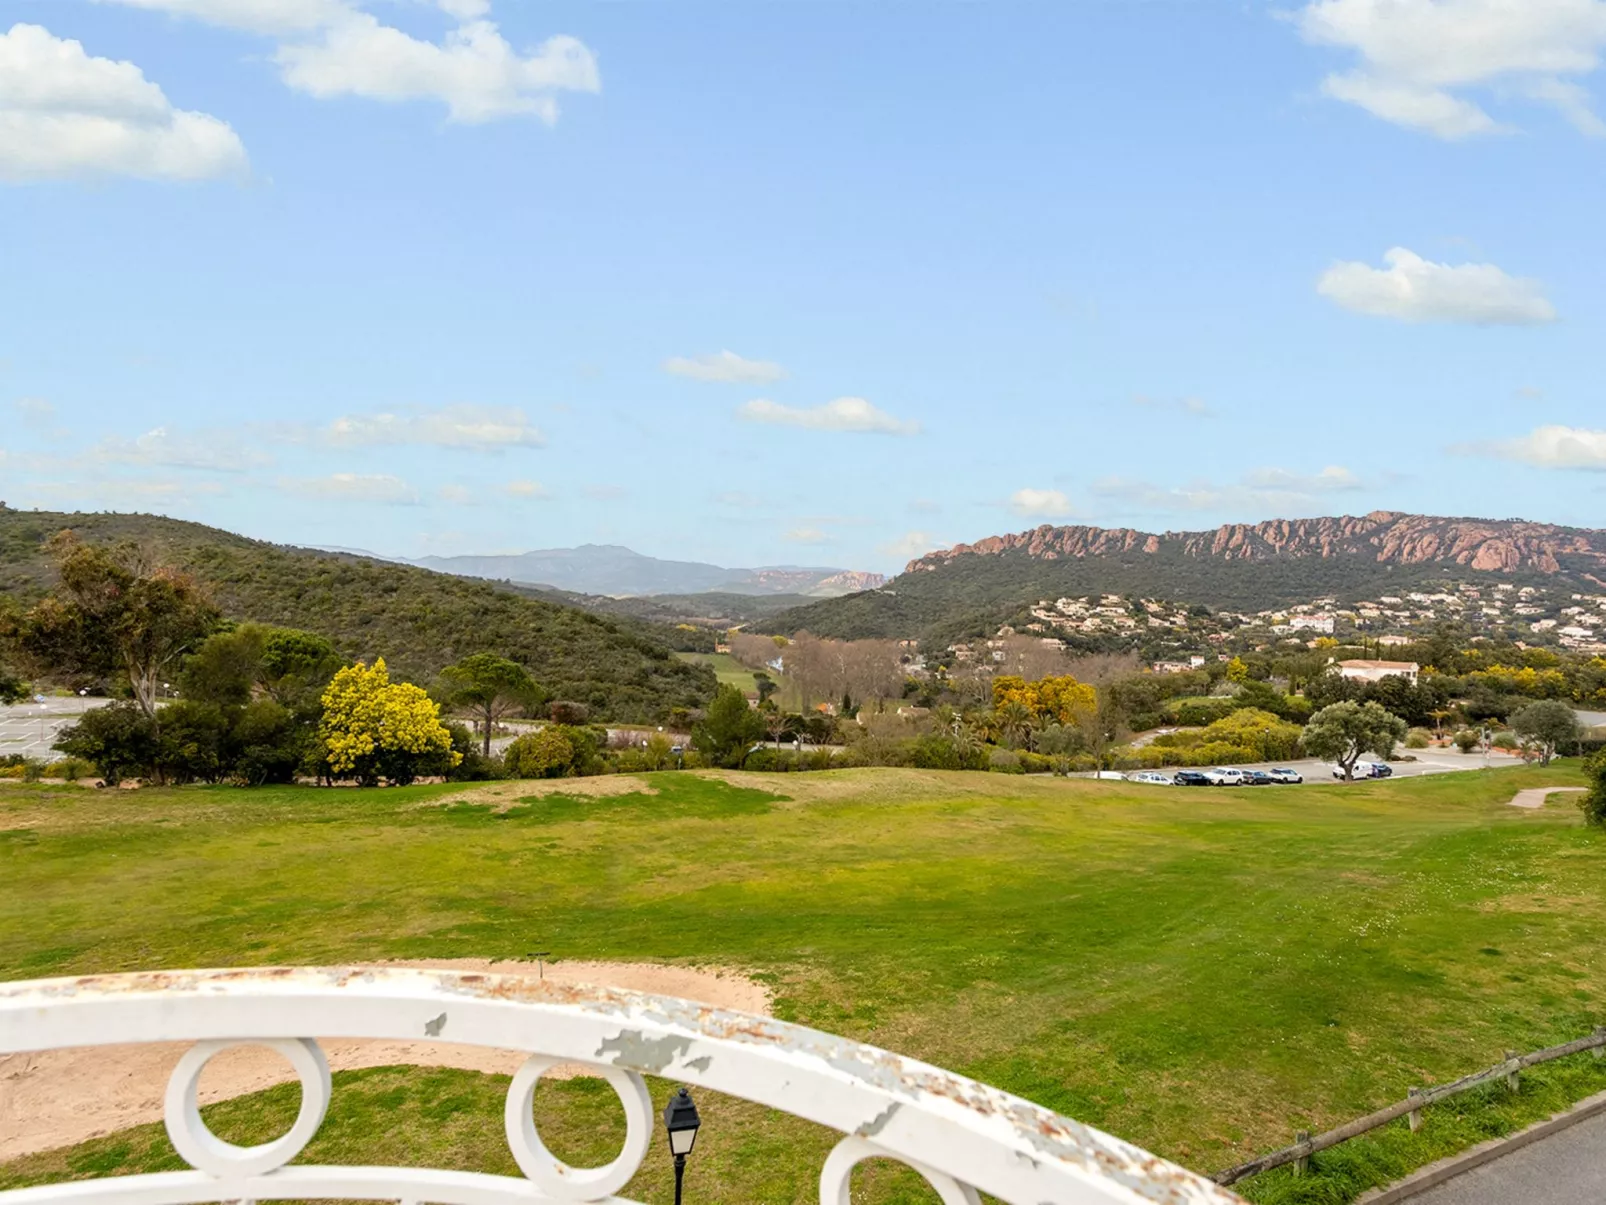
{"x": 963, "y": 1137}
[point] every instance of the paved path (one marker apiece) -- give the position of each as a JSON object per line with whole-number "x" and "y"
{"x": 1568, "y": 1168}
{"x": 1534, "y": 797}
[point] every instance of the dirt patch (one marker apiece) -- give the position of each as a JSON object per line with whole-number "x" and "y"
{"x": 505, "y": 795}
{"x": 61, "y": 1097}
{"x": 1535, "y": 797}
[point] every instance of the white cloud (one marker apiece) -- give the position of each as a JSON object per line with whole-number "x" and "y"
{"x": 473, "y": 71}
{"x": 910, "y": 545}
{"x": 603, "y": 492}
{"x": 66, "y": 114}
{"x": 34, "y": 409}
{"x": 1332, "y": 479}
{"x": 806, "y": 535}
{"x": 843, "y": 414}
{"x": 530, "y": 490}
{"x": 1259, "y": 490}
{"x": 119, "y": 493}
{"x": 1417, "y": 56}
{"x": 726, "y": 367}
{"x": 1184, "y": 405}
{"x": 219, "y": 450}
{"x": 455, "y": 495}
{"x": 331, "y": 48}
{"x": 474, "y": 428}
{"x": 1413, "y": 289}
{"x": 252, "y": 16}
{"x": 1551, "y": 447}
{"x": 352, "y": 487}
{"x": 1045, "y": 504}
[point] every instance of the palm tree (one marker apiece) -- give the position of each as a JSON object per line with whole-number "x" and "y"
{"x": 1015, "y": 722}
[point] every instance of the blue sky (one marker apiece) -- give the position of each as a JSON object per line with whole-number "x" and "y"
{"x": 818, "y": 283}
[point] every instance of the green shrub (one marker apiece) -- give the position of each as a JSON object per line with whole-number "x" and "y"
{"x": 1197, "y": 712}
{"x": 1466, "y": 740}
{"x": 1418, "y": 738}
{"x": 1506, "y": 740}
{"x": 1005, "y": 761}
{"x": 1594, "y": 803}
{"x": 68, "y": 769}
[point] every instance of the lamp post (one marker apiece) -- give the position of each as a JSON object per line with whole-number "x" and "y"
{"x": 681, "y": 1120}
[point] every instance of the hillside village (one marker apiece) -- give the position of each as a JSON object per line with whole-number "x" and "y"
{"x": 1530, "y": 616}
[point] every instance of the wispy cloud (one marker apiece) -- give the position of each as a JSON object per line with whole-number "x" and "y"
{"x": 219, "y": 450}
{"x": 843, "y": 414}
{"x": 725, "y": 367}
{"x": 468, "y": 427}
{"x": 352, "y": 487}
{"x": 807, "y": 535}
{"x": 1412, "y": 289}
{"x": 910, "y": 545}
{"x": 532, "y": 491}
{"x": 1258, "y": 490}
{"x": 1181, "y": 405}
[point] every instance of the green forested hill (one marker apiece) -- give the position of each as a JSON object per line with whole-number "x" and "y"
{"x": 416, "y": 619}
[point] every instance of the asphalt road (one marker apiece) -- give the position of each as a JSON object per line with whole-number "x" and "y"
{"x": 1567, "y": 1168}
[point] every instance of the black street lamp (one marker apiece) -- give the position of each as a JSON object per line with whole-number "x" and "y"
{"x": 681, "y": 1120}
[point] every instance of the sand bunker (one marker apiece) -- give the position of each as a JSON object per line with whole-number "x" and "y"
{"x": 1535, "y": 797}
{"x": 61, "y": 1097}
{"x": 509, "y": 794}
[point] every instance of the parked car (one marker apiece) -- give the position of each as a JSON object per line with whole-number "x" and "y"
{"x": 1191, "y": 778}
{"x": 1257, "y": 778}
{"x": 1283, "y": 774}
{"x": 1154, "y": 778}
{"x": 1367, "y": 769}
{"x": 1225, "y": 776}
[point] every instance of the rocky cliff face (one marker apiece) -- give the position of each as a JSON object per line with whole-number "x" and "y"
{"x": 1384, "y": 537}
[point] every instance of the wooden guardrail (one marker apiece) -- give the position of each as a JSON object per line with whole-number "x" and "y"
{"x": 1299, "y": 1154}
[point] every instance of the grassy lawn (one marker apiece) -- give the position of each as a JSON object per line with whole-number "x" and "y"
{"x": 727, "y": 669}
{"x": 1200, "y": 972}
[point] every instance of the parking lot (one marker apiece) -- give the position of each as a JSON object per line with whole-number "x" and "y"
{"x": 30, "y": 728}
{"x": 1428, "y": 761}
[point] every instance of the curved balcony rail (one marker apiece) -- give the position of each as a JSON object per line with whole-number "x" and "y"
{"x": 961, "y": 1136}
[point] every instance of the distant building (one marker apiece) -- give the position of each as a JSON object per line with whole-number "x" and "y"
{"x": 1394, "y": 640}
{"x": 1376, "y": 671}
{"x": 1171, "y": 667}
{"x": 1312, "y": 623}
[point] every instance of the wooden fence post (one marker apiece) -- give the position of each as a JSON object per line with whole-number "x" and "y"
{"x": 1511, "y": 1076}
{"x": 1415, "y": 1115}
{"x": 1302, "y": 1164}
{"x": 1600, "y": 1051}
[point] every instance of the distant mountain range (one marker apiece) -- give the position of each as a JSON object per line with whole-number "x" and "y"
{"x": 1238, "y": 566}
{"x": 609, "y": 569}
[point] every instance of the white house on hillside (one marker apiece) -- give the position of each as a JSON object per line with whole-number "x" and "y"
{"x": 1376, "y": 671}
